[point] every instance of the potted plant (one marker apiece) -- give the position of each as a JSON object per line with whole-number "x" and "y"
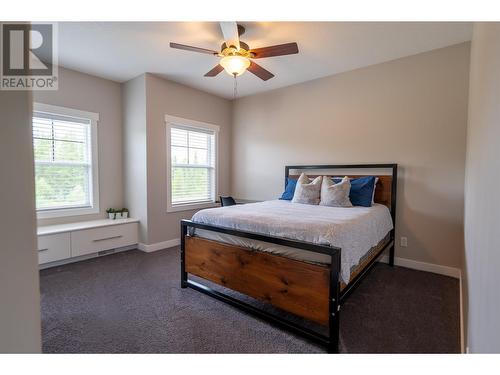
{"x": 124, "y": 213}
{"x": 117, "y": 213}
{"x": 111, "y": 213}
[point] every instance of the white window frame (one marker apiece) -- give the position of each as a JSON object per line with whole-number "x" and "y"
{"x": 172, "y": 121}
{"x": 94, "y": 195}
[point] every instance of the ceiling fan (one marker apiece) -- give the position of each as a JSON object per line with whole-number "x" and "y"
{"x": 236, "y": 56}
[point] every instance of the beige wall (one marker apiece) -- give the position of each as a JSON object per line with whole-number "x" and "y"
{"x": 412, "y": 111}
{"x": 482, "y": 202}
{"x": 169, "y": 98}
{"x": 146, "y": 101}
{"x": 89, "y": 93}
{"x": 19, "y": 290}
{"x": 135, "y": 152}
{"x": 387, "y": 111}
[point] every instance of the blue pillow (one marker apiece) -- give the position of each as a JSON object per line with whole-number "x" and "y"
{"x": 289, "y": 189}
{"x": 361, "y": 193}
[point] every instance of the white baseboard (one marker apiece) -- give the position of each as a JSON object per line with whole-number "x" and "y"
{"x": 462, "y": 327}
{"x": 159, "y": 245}
{"x": 422, "y": 266}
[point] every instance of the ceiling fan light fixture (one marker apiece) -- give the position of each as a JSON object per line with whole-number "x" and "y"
{"x": 235, "y": 65}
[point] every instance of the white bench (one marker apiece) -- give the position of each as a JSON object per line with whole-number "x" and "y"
{"x": 66, "y": 243}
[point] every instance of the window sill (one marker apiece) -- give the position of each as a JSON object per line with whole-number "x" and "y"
{"x": 49, "y": 214}
{"x": 193, "y": 206}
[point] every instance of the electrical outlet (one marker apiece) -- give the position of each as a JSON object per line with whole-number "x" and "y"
{"x": 404, "y": 242}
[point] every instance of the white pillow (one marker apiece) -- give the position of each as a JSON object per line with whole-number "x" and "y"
{"x": 335, "y": 195}
{"x": 307, "y": 192}
{"x": 374, "y": 187}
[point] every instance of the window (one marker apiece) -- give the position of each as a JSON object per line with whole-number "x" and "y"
{"x": 192, "y": 163}
{"x": 64, "y": 146}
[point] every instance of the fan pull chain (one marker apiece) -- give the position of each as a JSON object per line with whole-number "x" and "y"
{"x": 235, "y": 92}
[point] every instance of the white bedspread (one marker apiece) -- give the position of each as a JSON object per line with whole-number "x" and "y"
{"x": 354, "y": 229}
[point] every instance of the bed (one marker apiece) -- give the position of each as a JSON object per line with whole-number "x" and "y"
{"x": 302, "y": 259}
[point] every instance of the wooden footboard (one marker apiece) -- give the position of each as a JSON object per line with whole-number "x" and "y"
{"x": 291, "y": 285}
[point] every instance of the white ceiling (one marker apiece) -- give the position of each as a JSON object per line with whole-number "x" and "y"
{"x": 123, "y": 50}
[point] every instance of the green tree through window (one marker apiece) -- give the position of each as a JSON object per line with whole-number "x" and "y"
{"x": 192, "y": 165}
{"x": 63, "y": 168}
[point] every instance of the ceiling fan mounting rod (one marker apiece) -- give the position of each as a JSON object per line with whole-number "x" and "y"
{"x": 241, "y": 29}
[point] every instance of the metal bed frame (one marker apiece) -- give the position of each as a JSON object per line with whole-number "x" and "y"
{"x": 336, "y": 297}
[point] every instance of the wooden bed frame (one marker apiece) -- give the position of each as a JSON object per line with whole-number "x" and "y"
{"x": 310, "y": 291}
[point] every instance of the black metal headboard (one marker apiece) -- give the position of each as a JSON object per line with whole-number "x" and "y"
{"x": 394, "y": 175}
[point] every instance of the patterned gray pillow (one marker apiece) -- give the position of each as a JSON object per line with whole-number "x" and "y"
{"x": 335, "y": 195}
{"x": 307, "y": 192}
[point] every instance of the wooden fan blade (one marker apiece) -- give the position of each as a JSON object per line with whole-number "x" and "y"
{"x": 230, "y": 32}
{"x": 278, "y": 50}
{"x": 193, "y": 49}
{"x": 216, "y": 70}
{"x": 259, "y": 71}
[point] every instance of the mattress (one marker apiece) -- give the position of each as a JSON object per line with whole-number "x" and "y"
{"x": 356, "y": 230}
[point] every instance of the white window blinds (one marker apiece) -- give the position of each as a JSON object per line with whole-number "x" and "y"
{"x": 192, "y": 158}
{"x": 63, "y": 161}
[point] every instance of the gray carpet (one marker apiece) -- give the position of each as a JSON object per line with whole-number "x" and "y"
{"x": 131, "y": 302}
